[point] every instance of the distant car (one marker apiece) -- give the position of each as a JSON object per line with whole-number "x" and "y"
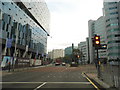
{"x": 63, "y": 64}
{"x": 73, "y": 64}
{"x": 56, "y": 64}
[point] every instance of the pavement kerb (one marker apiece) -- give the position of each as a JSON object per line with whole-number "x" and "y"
{"x": 87, "y": 77}
{"x": 100, "y": 82}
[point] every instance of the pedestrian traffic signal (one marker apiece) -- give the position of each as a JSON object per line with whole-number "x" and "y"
{"x": 97, "y": 40}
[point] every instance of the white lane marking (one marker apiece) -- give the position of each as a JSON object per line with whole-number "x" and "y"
{"x": 40, "y": 86}
{"x": 20, "y": 82}
{"x": 45, "y": 82}
{"x": 69, "y": 82}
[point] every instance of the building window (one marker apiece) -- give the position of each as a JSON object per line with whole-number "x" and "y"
{"x": 113, "y": 13}
{"x": 112, "y": 8}
{"x": 114, "y": 47}
{"x": 108, "y": 25}
{"x": 109, "y": 42}
{"x": 111, "y": 36}
{"x": 118, "y": 41}
{"x": 3, "y": 3}
{"x": 7, "y": 27}
{"x": 112, "y": 30}
{"x": 113, "y": 54}
{"x": 118, "y": 35}
{"x": 112, "y": 2}
{"x": 8, "y": 35}
{"x": 3, "y": 28}
{"x": 110, "y": 19}
{"x": 113, "y": 24}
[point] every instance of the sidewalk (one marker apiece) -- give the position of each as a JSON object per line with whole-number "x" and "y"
{"x": 6, "y": 72}
{"x": 91, "y": 71}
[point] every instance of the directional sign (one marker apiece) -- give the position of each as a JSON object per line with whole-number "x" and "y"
{"x": 9, "y": 43}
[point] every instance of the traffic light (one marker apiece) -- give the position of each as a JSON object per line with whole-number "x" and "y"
{"x": 97, "y": 41}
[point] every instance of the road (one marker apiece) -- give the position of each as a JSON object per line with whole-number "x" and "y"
{"x": 58, "y": 77}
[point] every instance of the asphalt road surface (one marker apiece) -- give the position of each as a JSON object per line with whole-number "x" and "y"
{"x": 59, "y": 77}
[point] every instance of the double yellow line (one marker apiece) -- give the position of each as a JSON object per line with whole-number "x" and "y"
{"x": 90, "y": 81}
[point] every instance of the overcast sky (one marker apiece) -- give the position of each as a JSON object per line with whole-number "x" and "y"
{"x": 69, "y": 21}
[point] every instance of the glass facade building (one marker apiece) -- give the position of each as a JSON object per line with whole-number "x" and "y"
{"x": 27, "y": 24}
{"x": 68, "y": 51}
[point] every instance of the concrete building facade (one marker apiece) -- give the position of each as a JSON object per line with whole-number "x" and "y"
{"x": 87, "y": 50}
{"x": 82, "y": 46}
{"x": 57, "y": 53}
{"x": 101, "y": 31}
{"x": 112, "y": 20}
{"x": 91, "y": 29}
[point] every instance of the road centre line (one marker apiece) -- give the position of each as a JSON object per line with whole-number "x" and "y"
{"x": 45, "y": 83}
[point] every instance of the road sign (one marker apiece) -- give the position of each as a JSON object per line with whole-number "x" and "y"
{"x": 9, "y": 43}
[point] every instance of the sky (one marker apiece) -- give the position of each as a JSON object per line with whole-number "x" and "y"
{"x": 69, "y": 21}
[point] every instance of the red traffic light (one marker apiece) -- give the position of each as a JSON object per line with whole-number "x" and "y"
{"x": 97, "y": 40}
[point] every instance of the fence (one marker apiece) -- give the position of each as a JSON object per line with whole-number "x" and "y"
{"x": 110, "y": 74}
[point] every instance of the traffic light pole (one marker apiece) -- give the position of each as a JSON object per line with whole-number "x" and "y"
{"x": 98, "y": 63}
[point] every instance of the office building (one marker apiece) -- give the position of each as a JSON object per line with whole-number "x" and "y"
{"x": 68, "y": 51}
{"x": 112, "y": 20}
{"x": 57, "y": 53}
{"x": 26, "y": 24}
{"x": 101, "y": 31}
{"x": 91, "y": 30}
{"x": 82, "y": 46}
{"x": 87, "y": 50}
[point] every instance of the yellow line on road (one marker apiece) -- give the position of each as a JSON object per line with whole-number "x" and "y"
{"x": 90, "y": 81}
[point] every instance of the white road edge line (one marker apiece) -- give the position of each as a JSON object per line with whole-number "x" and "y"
{"x": 40, "y": 86}
{"x": 45, "y": 83}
